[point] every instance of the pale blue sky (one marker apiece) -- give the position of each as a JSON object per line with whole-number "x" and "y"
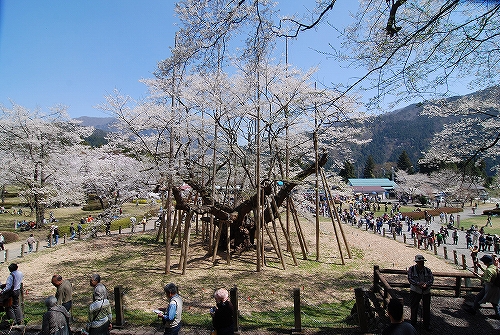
{"x": 74, "y": 52}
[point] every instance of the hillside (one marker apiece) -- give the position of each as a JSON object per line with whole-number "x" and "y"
{"x": 390, "y": 133}
{"x": 404, "y": 129}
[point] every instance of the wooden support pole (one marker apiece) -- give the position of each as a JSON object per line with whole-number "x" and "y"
{"x": 228, "y": 242}
{"x": 285, "y": 231}
{"x": 119, "y": 320}
{"x": 277, "y": 247}
{"x": 302, "y": 243}
{"x": 333, "y": 209}
{"x": 215, "y": 247}
{"x": 186, "y": 239}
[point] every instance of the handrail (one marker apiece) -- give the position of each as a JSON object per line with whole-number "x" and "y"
{"x": 388, "y": 289}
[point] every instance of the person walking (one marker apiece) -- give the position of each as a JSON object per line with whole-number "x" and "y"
{"x": 31, "y": 242}
{"x": 72, "y": 231}
{"x": 2, "y": 241}
{"x": 172, "y": 317}
{"x": 222, "y": 313}
{"x": 490, "y": 292}
{"x": 99, "y": 288}
{"x": 421, "y": 279}
{"x": 100, "y": 315}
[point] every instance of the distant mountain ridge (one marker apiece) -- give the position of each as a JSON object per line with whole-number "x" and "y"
{"x": 391, "y": 133}
{"x": 102, "y": 123}
{"x": 405, "y": 129}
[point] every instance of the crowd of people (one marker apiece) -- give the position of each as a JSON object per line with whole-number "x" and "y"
{"x": 57, "y": 319}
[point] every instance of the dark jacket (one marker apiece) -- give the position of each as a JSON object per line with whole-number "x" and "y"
{"x": 222, "y": 319}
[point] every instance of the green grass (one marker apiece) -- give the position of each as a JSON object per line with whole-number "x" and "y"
{"x": 320, "y": 316}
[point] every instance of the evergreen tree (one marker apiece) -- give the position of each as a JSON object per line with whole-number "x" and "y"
{"x": 404, "y": 163}
{"x": 348, "y": 171}
{"x": 368, "y": 172}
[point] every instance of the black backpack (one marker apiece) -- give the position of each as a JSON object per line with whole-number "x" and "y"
{"x": 496, "y": 280}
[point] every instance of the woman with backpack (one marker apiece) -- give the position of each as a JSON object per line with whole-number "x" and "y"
{"x": 491, "y": 289}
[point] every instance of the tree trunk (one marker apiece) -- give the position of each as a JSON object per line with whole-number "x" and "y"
{"x": 243, "y": 226}
{"x": 39, "y": 211}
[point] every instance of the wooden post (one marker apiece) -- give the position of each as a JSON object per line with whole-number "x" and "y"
{"x": 360, "y": 305}
{"x": 415, "y": 242}
{"x": 64, "y": 239}
{"x": 394, "y": 235}
{"x": 119, "y": 229}
{"x": 119, "y": 322}
{"x": 37, "y": 244}
{"x": 296, "y": 312}
{"x": 458, "y": 283}
{"x": 464, "y": 263}
{"x": 383, "y": 232}
{"x": 22, "y": 250}
{"x": 445, "y": 250}
{"x": 233, "y": 293}
{"x": 455, "y": 257}
{"x": 375, "y": 278}
{"x": 50, "y": 241}
{"x": 6, "y": 255}
{"x": 404, "y": 238}
{"x": 435, "y": 250}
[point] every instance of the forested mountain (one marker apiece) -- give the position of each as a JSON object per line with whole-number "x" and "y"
{"x": 391, "y": 133}
{"x": 403, "y": 129}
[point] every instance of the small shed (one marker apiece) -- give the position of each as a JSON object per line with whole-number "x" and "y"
{"x": 380, "y": 187}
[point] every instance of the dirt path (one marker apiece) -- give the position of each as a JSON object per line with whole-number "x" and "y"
{"x": 76, "y": 260}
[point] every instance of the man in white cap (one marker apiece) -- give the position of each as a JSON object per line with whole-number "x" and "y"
{"x": 421, "y": 280}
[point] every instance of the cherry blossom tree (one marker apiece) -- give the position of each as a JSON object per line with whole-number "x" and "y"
{"x": 39, "y": 152}
{"x": 473, "y": 138}
{"x": 112, "y": 176}
{"x": 412, "y": 185}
